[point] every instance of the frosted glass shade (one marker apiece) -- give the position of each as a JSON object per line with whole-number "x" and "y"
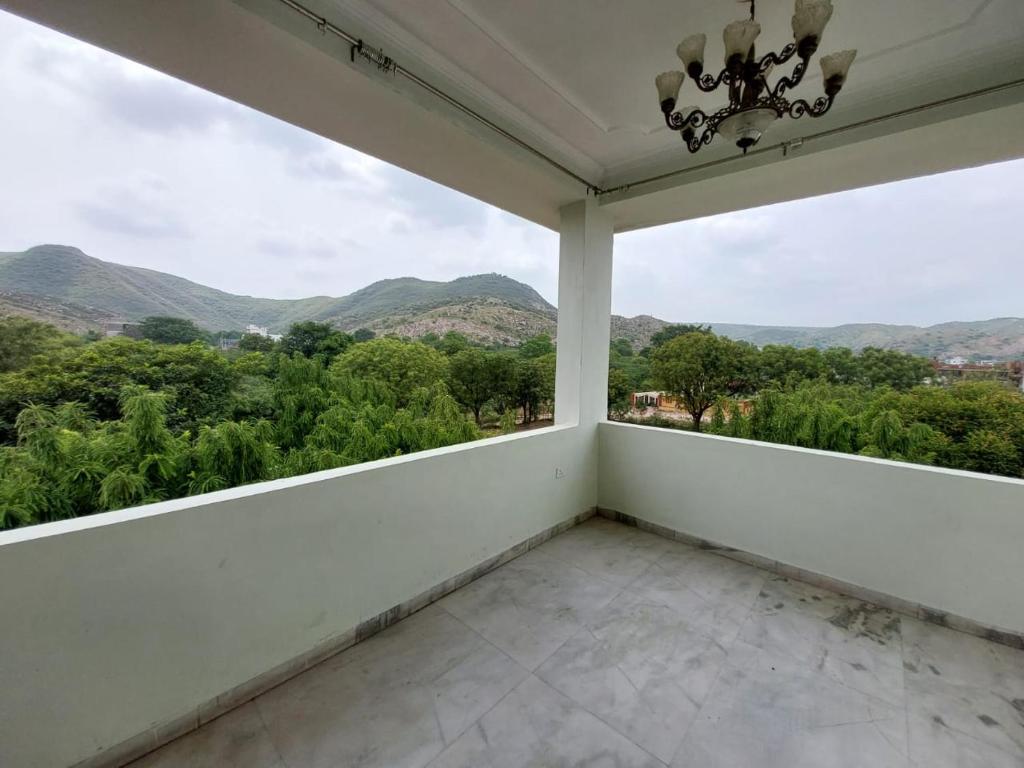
{"x": 738, "y": 38}
{"x": 691, "y": 53}
{"x": 668, "y": 84}
{"x": 810, "y": 18}
{"x": 834, "y": 69}
{"x": 747, "y": 127}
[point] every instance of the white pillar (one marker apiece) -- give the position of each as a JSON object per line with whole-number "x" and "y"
{"x": 584, "y": 314}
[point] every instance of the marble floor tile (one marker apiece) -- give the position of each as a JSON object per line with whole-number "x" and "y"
{"x": 934, "y": 745}
{"x": 714, "y": 593}
{"x": 963, "y": 685}
{"x": 611, "y": 551}
{"x": 537, "y": 727}
{"x": 234, "y": 740}
{"x": 393, "y": 701}
{"x": 816, "y": 630}
{"x": 531, "y": 605}
{"x": 644, "y": 654}
{"x": 639, "y": 667}
{"x": 781, "y": 720}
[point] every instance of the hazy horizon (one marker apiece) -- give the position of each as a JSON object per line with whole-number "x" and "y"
{"x": 135, "y": 167}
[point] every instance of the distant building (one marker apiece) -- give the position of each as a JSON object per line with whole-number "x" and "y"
{"x": 119, "y": 328}
{"x": 257, "y": 330}
{"x": 955, "y": 360}
{"x": 229, "y": 343}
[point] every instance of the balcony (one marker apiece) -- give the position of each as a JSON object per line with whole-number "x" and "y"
{"x": 767, "y": 606}
{"x": 608, "y": 645}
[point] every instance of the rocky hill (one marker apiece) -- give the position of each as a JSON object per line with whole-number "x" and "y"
{"x": 62, "y": 285}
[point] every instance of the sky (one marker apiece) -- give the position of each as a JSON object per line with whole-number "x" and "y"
{"x": 135, "y": 167}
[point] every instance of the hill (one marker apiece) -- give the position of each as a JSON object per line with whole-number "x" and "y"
{"x": 62, "y": 285}
{"x": 997, "y": 339}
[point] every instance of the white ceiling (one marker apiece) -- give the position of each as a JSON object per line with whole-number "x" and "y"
{"x": 580, "y": 72}
{"x": 574, "y": 80}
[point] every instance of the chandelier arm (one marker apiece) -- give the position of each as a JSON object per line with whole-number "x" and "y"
{"x": 694, "y": 143}
{"x": 708, "y": 82}
{"x": 800, "y": 107}
{"x": 772, "y": 59}
{"x": 785, "y": 83}
{"x": 678, "y": 122}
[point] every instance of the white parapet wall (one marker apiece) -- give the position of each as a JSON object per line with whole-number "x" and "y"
{"x": 128, "y": 621}
{"x": 945, "y": 539}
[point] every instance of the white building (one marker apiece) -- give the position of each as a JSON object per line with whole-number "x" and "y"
{"x": 611, "y": 645}
{"x": 257, "y": 330}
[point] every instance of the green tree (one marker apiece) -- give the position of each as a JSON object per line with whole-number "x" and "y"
{"x": 472, "y": 377}
{"x": 363, "y": 334}
{"x": 619, "y": 391}
{"x": 171, "y": 330}
{"x": 22, "y": 339}
{"x": 254, "y": 342}
{"x": 310, "y": 338}
{"x": 672, "y": 331}
{"x": 403, "y": 365}
{"x": 698, "y": 368}
{"x": 536, "y": 346}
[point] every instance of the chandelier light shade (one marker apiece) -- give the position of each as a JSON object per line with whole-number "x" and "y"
{"x": 834, "y": 68}
{"x": 669, "y": 84}
{"x": 691, "y": 53}
{"x": 739, "y": 37}
{"x": 754, "y": 104}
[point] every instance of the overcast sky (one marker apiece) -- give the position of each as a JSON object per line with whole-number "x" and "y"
{"x": 135, "y": 167}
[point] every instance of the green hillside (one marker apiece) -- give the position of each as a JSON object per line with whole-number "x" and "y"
{"x": 58, "y": 274}
{"x": 62, "y": 285}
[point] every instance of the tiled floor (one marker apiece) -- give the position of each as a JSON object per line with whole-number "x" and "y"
{"x": 611, "y": 647}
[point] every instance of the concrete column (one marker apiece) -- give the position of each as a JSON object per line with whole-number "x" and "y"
{"x": 584, "y": 314}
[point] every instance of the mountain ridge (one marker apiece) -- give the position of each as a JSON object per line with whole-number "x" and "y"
{"x": 63, "y": 285}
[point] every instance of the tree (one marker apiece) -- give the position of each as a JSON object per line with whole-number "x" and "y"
{"x": 452, "y": 343}
{"x": 673, "y": 331}
{"x": 362, "y": 334}
{"x": 536, "y": 346}
{"x": 698, "y": 368}
{"x": 472, "y": 378}
{"x": 171, "y": 330}
{"x": 619, "y": 391}
{"x": 889, "y": 367}
{"x": 621, "y": 347}
{"x": 310, "y": 338}
{"x": 254, "y": 342}
{"x": 21, "y": 339}
{"x": 402, "y": 365}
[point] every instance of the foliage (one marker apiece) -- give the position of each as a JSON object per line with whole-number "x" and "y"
{"x": 196, "y": 379}
{"x": 537, "y": 346}
{"x": 404, "y": 366}
{"x": 66, "y": 462}
{"x": 22, "y": 339}
{"x": 698, "y": 367}
{"x": 254, "y": 342}
{"x": 310, "y": 338}
{"x": 171, "y": 330}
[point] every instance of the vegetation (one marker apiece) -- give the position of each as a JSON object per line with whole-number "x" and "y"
{"x": 878, "y": 403}
{"x": 92, "y": 426}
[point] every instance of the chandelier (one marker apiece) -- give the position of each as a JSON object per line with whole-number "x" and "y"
{"x": 753, "y": 104}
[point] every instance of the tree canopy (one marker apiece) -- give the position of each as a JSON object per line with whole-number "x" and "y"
{"x": 171, "y": 330}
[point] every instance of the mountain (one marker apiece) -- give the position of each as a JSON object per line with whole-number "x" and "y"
{"x": 1001, "y": 338}
{"x": 64, "y": 286}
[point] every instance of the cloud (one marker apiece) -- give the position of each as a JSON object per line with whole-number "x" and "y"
{"x": 141, "y": 210}
{"x": 107, "y": 154}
